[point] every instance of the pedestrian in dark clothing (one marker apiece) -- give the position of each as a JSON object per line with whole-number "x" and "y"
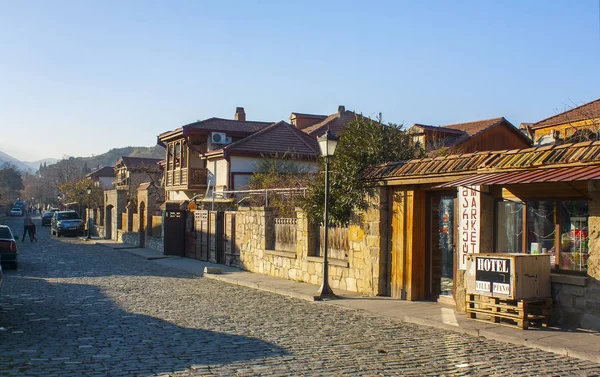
{"x": 27, "y": 223}
{"x": 32, "y": 232}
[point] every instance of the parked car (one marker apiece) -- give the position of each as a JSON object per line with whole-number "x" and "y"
{"x": 9, "y": 254}
{"x": 16, "y": 212}
{"x": 0, "y": 275}
{"x": 21, "y": 206}
{"x": 47, "y": 218}
{"x": 66, "y": 222}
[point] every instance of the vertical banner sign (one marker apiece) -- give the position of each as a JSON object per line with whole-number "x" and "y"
{"x": 468, "y": 234}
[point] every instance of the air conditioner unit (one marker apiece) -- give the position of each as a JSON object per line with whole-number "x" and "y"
{"x": 218, "y": 138}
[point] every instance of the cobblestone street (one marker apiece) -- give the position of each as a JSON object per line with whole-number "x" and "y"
{"x": 76, "y": 309}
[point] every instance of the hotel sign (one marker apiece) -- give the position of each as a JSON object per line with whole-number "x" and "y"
{"x": 492, "y": 275}
{"x": 469, "y": 205}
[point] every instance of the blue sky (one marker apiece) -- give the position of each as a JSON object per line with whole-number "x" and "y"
{"x": 80, "y": 77}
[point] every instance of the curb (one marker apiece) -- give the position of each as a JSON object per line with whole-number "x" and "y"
{"x": 281, "y": 292}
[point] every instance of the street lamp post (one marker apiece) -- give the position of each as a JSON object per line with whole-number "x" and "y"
{"x": 89, "y": 224}
{"x": 327, "y": 143}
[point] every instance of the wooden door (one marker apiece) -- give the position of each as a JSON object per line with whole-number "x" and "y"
{"x": 397, "y": 257}
{"x": 190, "y": 235}
{"x": 407, "y": 275}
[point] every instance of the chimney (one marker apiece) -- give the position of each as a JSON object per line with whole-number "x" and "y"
{"x": 240, "y": 114}
{"x": 341, "y": 109}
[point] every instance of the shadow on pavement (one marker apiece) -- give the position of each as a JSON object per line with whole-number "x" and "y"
{"x": 69, "y": 257}
{"x": 76, "y": 329}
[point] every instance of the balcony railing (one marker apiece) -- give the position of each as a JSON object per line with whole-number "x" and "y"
{"x": 120, "y": 182}
{"x": 187, "y": 178}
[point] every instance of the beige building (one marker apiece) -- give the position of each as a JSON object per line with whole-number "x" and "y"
{"x": 578, "y": 124}
{"x": 218, "y": 154}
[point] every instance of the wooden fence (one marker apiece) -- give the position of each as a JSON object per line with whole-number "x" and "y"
{"x": 285, "y": 234}
{"x": 338, "y": 244}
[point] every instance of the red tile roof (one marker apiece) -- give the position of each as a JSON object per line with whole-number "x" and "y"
{"x": 434, "y": 129}
{"x": 580, "y": 154}
{"x": 277, "y": 139}
{"x": 227, "y": 125}
{"x": 105, "y": 171}
{"x": 590, "y": 110}
{"x": 134, "y": 162}
{"x": 334, "y": 123}
{"x": 476, "y": 127}
{"x": 469, "y": 130}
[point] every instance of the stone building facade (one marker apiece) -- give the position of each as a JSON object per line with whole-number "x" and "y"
{"x": 363, "y": 270}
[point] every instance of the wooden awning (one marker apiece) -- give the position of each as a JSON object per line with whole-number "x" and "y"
{"x": 566, "y": 174}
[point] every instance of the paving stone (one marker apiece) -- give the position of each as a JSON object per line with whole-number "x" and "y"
{"x": 104, "y": 312}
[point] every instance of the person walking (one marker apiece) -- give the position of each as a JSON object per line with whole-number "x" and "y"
{"x": 27, "y": 223}
{"x": 32, "y": 232}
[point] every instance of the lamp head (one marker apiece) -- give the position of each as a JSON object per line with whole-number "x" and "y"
{"x": 328, "y": 143}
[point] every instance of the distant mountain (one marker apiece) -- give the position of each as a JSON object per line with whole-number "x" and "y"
{"x": 109, "y": 158}
{"x": 35, "y": 165}
{"x": 5, "y": 158}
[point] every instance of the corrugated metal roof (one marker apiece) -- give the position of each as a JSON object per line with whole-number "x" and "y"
{"x": 586, "y": 153}
{"x": 567, "y": 174}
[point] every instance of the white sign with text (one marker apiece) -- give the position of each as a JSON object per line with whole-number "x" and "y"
{"x": 469, "y": 206}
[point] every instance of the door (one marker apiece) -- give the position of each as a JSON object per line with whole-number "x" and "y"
{"x": 190, "y": 235}
{"x": 441, "y": 245}
{"x": 108, "y": 220}
{"x": 220, "y": 237}
{"x": 202, "y": 233}
{"x": 174, "y": 232}
{"x": 142, "y": 221}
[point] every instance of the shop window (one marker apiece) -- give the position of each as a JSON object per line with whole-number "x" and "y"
{"x": 509, "y": 227}
{"x": 574, "y": 235}
{"x": 540, "y": 226}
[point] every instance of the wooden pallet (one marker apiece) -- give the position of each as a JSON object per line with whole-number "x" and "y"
{"x": 509, "y": 312}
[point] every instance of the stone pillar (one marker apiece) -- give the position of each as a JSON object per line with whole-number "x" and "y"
{"x": 232, "y": 251}
{"x": 306, "y": 236}
{"x": 594, "y": 230}
{"x": 130, "y": 210}
{"x": 268, "y": 225}
{"x": 379, "y": 226}
{"x": 212, "y": 237}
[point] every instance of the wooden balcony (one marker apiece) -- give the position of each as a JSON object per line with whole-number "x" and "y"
{"x": 120, "y": 184}
{"x": 186, "y": 179}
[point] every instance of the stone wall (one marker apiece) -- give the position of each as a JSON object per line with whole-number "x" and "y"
{"x": 155, "y": 243}
{"x": 362, "y": 271}
{"x": 100, "y": 231}
{"x": 130, "y": 238}
{"x": 576, "y": 301}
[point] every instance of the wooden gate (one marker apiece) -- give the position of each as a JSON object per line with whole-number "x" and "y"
{"x": 407, "y": 260}
{"x": 190, "y": 235}
{"x": 220, "y": 237}
{"x": 174, "y": 225}
{"x": 202, "y": 223}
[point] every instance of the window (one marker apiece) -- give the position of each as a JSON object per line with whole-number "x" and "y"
{"x": 540, "y": 226}
{"x": 177, "y": 155}
{"x": 574, "y": 235}
{"x": 170, "y": 157}
{"x": 548, "y": 224}
{"x": 509, "y": 227}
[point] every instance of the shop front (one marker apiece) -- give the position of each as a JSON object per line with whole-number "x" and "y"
{"x": 533, "y": 201}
